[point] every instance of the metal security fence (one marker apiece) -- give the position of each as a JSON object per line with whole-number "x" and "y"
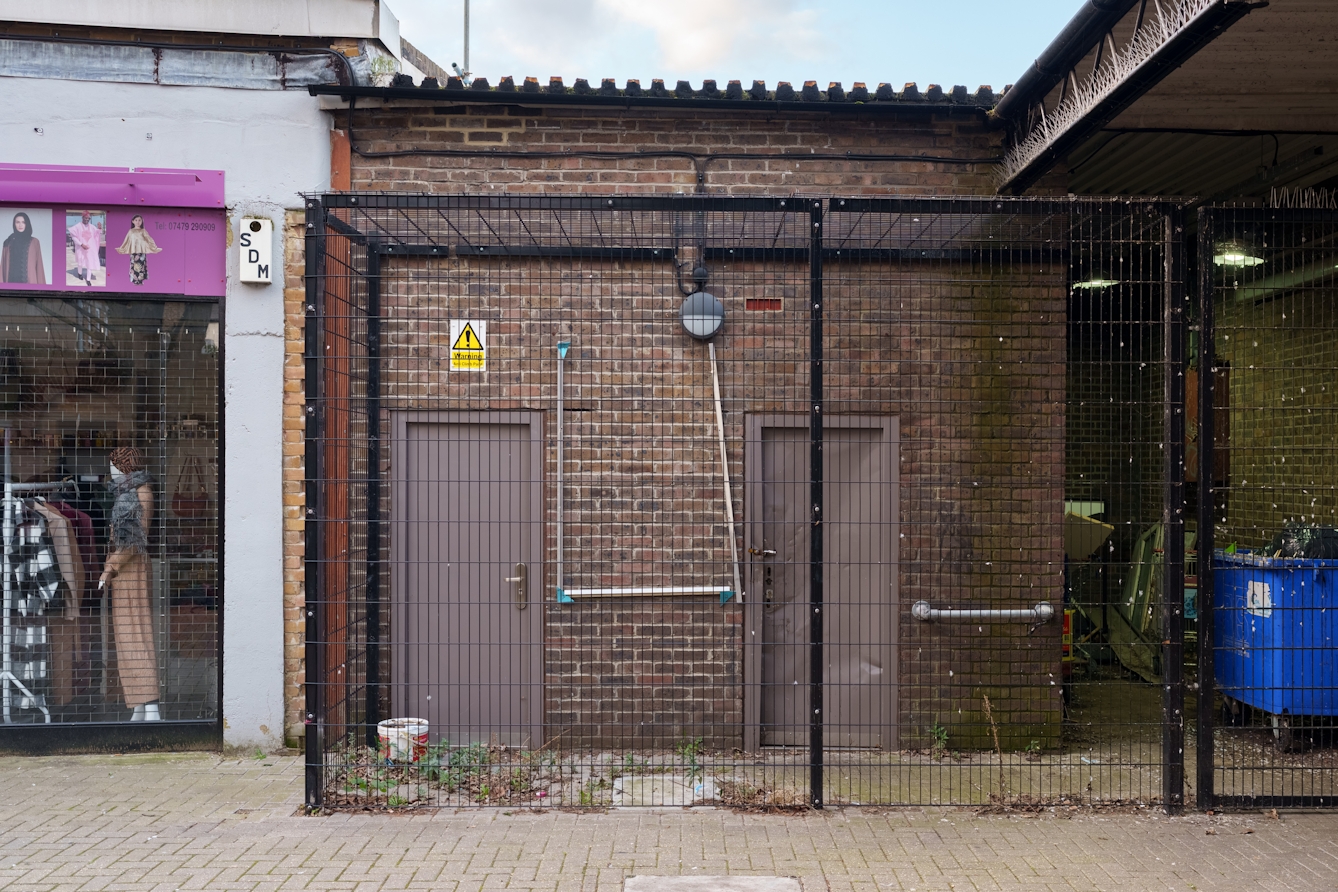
{"x": 770, "y": 502}
{"x": 1268, "y": 497}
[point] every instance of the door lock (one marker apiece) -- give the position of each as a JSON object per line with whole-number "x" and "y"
{"x": 520, "y": 582}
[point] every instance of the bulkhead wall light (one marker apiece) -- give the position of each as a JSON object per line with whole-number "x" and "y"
{"x": 1236, "y": 254}
{"x": 702, "y": 315}
{"x": 1096, "y": 280}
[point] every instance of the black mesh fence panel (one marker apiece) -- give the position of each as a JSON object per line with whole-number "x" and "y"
{"x": 762, "y": 502}
{"x": 1270, "y": 641}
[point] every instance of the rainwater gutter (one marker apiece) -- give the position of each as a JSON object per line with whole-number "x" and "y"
{"x": 1072, "y": 125}
{"x": 1041, "y": 613}
{"x": 1083, "y": 32}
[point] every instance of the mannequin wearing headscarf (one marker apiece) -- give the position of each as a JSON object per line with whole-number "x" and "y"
{"x": 21, "y": 261}
{"x": 127, "y": 572}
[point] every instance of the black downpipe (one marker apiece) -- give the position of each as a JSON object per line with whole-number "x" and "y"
{"x": 815, "y": 495}
{"x": 1173, "y": 514}
{"x": 1207, "y": 795}
{"x": 1084, "y": 31}
{"x": 373, "y": 491}
{"x": 314, "y": 720}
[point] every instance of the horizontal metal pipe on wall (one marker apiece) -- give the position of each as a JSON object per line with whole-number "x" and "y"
{"x": 1042, "y": 613}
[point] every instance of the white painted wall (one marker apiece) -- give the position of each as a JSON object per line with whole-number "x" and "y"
{"x": 292, "y": 18}
{"x": 273, "y": 145}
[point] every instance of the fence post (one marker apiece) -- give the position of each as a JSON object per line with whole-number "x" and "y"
{"x": 1173, "y": 513}
{"x": 314, "y": 719}
{"x": 1206, "y": 794}
{"x": 815, "y": 558}
{"x": 373, "y": 567}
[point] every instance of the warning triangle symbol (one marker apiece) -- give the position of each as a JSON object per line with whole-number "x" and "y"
{"x": 467, "y": 340}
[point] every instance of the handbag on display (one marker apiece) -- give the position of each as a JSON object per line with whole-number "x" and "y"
{"x": 191, "y": 499}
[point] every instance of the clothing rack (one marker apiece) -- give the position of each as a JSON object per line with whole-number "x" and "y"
{"x": 10, "y": 507}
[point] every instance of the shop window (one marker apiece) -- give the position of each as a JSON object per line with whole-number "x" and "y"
{"x": 110, "y": 506}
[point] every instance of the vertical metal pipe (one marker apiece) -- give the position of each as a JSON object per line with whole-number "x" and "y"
{"x": 467, "y": 68}
{"x": 163, "y": 585}
{"x": 7, "y": 531}
{"x": 315, "y": 669}
{"x": 724, "y": 473}
{"x": 1206, "y": 794}
{"x": 815, "y": 558}
{"x": 562, "y": 348}
{"x": 373, "y": 558}
{"x": 1173, "y": 512}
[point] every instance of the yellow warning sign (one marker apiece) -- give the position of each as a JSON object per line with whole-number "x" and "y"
{"x": 469, "y": 345}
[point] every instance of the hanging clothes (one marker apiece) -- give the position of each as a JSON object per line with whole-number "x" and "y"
{"x": 66, "y": 651}
{"x": 66, "y": 546}
{"x": 37, "y": 570}
{"x": 89, "y": 555}
{"x": 90, "y": 608}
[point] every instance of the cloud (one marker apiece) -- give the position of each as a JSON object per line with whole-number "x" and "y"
{"x": 623, "y": 38}
{"x": 701, "y": 36}
{"x": 946, "y": 41}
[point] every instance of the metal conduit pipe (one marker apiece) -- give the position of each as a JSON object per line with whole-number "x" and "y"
{"x": 1041, "y": 613}
{"x": 1084, "y": 31}
{"x": 562, "y": 348}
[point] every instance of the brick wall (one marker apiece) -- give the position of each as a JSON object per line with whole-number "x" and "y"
{"x": 972, "y": 366}
{"x": 570, "y": 130}
{"x": 1283, "y": 356}
{"x": 294, "y": 488}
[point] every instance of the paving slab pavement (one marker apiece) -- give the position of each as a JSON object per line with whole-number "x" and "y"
{"x": 201, "y": 821}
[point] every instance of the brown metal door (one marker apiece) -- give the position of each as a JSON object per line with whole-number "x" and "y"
{"x": 467, "y": 525}
{"x": 860, "y": 569}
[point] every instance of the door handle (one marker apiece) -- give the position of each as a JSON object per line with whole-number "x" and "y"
{"x": 521, "y": 583}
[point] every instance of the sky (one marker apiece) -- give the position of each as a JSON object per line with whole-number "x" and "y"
{"x": 946, "y": 42}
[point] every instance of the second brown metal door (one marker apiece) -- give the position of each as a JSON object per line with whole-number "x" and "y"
{"x": 467, "y": 538}
{"x": 860, "y": 568}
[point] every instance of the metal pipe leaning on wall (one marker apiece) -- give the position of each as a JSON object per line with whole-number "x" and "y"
{"x": 1041, "y": 613}
{"x": 724, "y": 473}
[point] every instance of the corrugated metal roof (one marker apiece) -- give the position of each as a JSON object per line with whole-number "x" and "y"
{"x": 531, "y": 88}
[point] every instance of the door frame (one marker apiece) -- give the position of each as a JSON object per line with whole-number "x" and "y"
{"x": 753, "y": 426}
{"x": 536, "y": 532}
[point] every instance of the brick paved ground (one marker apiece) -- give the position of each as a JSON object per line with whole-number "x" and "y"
{"x": 204, "y": 822}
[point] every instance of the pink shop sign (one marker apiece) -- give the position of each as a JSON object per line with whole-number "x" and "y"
{"x": 101, "y": 236}
{"x": 110, "y": 250}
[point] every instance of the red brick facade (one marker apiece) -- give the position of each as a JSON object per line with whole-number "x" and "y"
{"x": 972, "y": 365}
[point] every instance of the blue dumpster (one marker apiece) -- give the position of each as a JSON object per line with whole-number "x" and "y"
{"x": 1275, "y": 633}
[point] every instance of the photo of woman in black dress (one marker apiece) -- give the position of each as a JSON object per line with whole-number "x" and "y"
{"x": 21, "y": 259}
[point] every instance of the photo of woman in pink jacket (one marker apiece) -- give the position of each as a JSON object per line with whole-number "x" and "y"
{"x": 85, "y": 240}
